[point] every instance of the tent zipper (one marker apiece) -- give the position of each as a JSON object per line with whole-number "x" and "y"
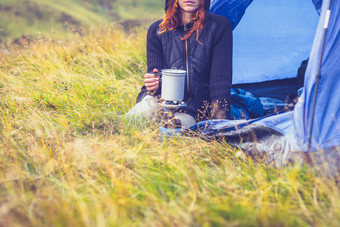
{"x": 187, "y": 60}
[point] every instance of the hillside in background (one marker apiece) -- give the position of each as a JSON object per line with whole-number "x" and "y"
{"x": 32, "y": 17}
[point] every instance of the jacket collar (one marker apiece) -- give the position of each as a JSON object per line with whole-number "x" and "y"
{"x": 188, "y": 26}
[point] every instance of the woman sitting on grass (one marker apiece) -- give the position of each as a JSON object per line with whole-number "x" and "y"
{"x": 191, "y": 39}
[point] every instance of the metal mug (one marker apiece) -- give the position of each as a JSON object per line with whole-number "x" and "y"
{"x": 173, "y": 83}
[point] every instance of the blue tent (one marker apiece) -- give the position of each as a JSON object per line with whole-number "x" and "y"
{"x": 271, "y": 40}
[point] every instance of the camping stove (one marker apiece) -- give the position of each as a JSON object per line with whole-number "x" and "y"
{"x": 168, "y": 113}
{"x": 172, "y": 105}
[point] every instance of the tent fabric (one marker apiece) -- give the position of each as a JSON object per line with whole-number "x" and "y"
{"x": 326, "y": 130}
{"x": 235, "y": 9}
{"x": 318, "y": 5}
{"x": 295, "y": 125}
{"x": 285, "y": 89}
{"x": 232, "y": 9}
{"x": 272, "y": 40}
{"x": 286, "y": 133}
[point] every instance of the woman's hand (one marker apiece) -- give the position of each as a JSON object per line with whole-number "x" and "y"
{"x": 151, "y": 81}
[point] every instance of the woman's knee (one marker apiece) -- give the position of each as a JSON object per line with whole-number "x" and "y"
{"x": 147, "y": 107}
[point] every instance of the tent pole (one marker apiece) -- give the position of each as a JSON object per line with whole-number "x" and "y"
{"x": 318, "y": 76}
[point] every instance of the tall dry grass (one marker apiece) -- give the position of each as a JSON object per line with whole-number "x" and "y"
{"x": 68, "y": 157}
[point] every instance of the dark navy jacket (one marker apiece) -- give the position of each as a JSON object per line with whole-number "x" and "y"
{"x": 209, "y": 63}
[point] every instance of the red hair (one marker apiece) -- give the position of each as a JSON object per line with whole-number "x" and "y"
{"x": 173, "y": 18}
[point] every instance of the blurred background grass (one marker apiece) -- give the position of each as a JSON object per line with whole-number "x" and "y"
{"x": 36, "y": 17}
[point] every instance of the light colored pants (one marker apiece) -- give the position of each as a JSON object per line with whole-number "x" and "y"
{"x": 148, "y": 108}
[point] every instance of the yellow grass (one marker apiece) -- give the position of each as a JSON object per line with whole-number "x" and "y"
{"x": 68, "y": 157}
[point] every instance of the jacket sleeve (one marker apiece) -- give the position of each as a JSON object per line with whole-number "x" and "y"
{"x": 154, "y": 55}
{"x": 221, "y": 70}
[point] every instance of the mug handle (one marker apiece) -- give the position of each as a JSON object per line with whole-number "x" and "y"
{"x": 158, "y": 74}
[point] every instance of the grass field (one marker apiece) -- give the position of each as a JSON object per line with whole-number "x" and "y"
{"x": 68, "y": 157}
{"x": 47, "y": 17}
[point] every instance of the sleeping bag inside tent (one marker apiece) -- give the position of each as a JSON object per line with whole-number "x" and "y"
{"x": 273, "y": 41}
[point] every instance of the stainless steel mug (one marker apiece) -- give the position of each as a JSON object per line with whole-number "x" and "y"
{"x": 173, "y": 82}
